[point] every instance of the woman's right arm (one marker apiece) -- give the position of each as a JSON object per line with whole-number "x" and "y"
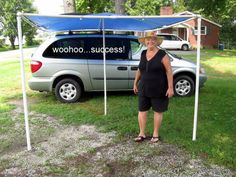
{"x": 137, "y": 78}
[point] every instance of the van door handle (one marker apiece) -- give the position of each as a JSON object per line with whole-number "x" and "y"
{"x": 122, "y": 68}
{"x": 133, "y": 68}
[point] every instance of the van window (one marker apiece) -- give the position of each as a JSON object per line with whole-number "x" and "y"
{"x": 116, "y": 48}
{"x": 175, "y": 38}
{"x": 66, "y": 48}
{"x": 166, "y": 37}
{"x": 135, "y": 46}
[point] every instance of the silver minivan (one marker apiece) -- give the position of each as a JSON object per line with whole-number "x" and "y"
{"x": 72, "y": 64}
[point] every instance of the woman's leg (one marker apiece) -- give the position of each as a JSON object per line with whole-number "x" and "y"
{"x": 157, "y": 123}
{"x": 142, "y": 119}
{"x": 144, "y": 106}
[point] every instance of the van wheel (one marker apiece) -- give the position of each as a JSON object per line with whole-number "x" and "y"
{"x": 183, "y": 86}
{"x": 68, "y": 91}
{"x": 185, "y": 47}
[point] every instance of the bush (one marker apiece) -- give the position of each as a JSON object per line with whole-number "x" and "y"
{"x": 33, "y": 43}
{"x": 1, "y": 43}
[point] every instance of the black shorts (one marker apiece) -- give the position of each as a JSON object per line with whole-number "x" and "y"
{"x": 157, "y": 104}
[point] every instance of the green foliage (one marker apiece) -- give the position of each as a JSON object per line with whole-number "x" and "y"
{"x": 1, "y": 43}
{"x": 211, "y": 8}
{"x": 140, "y": 7}
{"x": 95, "y": 6}
{"x": 8, "y": 10}
{"x": 180, "y": 6}
{"x": 222, "y": 12}
{"x": 228, "y": 35}
{"x": 5, "y": 48}
{"x": 29, "y": 35}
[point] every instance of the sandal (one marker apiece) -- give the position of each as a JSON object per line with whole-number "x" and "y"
{"x": 140, "y": 139}
{"x": 155, "y": 139}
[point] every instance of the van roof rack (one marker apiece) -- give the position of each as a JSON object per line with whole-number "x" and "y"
{"x": 70, "y": 32}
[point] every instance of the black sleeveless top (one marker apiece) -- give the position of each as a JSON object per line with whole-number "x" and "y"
{"x": 153, "y": 82}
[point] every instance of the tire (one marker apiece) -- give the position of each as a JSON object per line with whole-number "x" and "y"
{"x": 185, "y": 47}
{"x": 183, "y": 86}
{"x": 68, "y": 91}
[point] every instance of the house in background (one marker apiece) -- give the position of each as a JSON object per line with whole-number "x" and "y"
{"x": 210, "y": 30}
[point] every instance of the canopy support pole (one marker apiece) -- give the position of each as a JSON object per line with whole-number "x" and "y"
{"x": 19, "y": 27}
{"x": 197, "y": 78}
{"x": 104, "y": 67}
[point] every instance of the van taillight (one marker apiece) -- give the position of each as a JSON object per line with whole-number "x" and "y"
{"x": 35, "y": 66}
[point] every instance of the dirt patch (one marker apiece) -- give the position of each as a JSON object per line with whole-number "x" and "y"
{"x": 65, "y": 150}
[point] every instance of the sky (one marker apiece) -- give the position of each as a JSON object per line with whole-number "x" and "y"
{"x": 51, "y": 7}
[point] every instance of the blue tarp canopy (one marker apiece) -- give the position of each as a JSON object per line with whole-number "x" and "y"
{"x": 112, "y": 22}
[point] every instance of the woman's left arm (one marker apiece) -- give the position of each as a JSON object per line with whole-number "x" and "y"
{"x": 167, "y": 65}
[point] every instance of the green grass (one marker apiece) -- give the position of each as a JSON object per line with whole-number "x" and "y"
{"x": 5, "y": 48}
{"x": 8, "y": 48}
{"x": 216, "y": 140}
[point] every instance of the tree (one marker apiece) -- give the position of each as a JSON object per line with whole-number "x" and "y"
{"x": 120, "y": 6}
{"x": 69, "y": 6}
{"x": 228, "y": 22}
{"x": 140, "y": 7}
{"x": 94, "y": 6}
{"x": 8, "y": 10}
{"x": 179, "y": 6}
{"x": 222, "y": 12}
{"x": 211, "y": 9}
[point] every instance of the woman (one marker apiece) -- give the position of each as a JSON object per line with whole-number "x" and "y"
{"x": 153, "y": 83}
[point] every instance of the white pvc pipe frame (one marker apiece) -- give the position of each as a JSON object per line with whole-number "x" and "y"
{"x": 19, "y": 26}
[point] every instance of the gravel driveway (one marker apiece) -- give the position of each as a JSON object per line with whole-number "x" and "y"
{"x": 66, "y": 150}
